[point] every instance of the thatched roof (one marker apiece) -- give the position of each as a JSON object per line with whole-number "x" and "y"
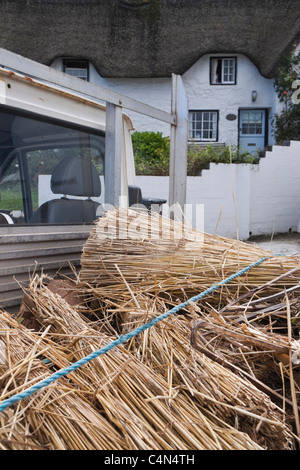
{"x": 150, "y": 38}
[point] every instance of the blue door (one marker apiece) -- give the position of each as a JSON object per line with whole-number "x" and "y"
{"x": 252, "y": 132}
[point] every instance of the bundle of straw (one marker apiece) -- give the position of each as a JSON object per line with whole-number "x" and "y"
{"x": 141, "y": 276}
{"x": 133, "y": 395}
{"x": 56, "y": 418}
{"x": 194, "y": 406}
{"x": 189, "y": 383}
{"x": 176, "y": 263}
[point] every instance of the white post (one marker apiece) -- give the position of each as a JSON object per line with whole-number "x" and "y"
{"x": 178, "y": 149}
{"x": 113, "y": 154}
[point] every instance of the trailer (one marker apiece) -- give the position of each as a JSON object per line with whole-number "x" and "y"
{"x": 66, "y": 157}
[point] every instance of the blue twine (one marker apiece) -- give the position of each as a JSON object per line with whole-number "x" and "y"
{"x": 122, "y": 339}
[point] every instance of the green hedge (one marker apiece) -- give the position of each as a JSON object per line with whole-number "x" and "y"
{"x": 152, "y": 151}
{"x": 286, "y": 124}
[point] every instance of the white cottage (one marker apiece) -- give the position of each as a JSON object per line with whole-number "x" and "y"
{"x": 229, "y": 98}
{"x": 230, "y": 102}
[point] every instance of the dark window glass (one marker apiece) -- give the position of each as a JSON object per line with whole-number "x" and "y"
{"x": 223, "y": 70}
{"x": 77, "y": 68}
{"x": 49, "y": 172}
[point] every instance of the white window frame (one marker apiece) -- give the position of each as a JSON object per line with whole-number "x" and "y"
{"x": 220, "y": 62}
{"x": 203, "y": 125}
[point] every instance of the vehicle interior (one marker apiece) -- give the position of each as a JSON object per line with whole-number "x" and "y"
{"x": 51, "y": 172}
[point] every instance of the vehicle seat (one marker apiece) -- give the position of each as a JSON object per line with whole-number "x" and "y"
{"x": 137, "y": 200}
{"x": 72, "y": 177}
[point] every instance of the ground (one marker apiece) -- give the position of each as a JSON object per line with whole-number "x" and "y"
{"x": 287, "y": 244}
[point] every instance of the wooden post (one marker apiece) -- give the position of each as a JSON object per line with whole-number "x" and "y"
{"x": 113, "y": 154}
{"x": 178, "y": 149}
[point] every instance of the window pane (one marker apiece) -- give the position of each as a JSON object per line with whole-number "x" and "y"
{"x": 228, "y": 70}
{"x": 216, "y": 71}
{"x": 79, "y": 73}
{"x": 41, "y": 166}
{"x": 11, "y": 204}
{"x": 77, "y": 68}
{"x": 252, "y": 123}
{"x": 203, "y": 125}
{"x": 50, "y": 172}
{"x": 222, "y": 70}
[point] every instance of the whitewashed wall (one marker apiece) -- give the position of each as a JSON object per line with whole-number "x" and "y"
{"x": 243, "y": 200}
{"x": 153, "y": 91}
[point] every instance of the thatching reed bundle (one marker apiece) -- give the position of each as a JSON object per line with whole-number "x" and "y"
{"x": 198, "y": 380}
{"x": 125, "y": 273}
{"x": 194, "y": 406}
{"x": 222, "y": 388}
{"x": 176, "y": 262}
{"x": 139, "y": 277}
{"x": 56, "y": 418}
{"x": 139, "y": 400}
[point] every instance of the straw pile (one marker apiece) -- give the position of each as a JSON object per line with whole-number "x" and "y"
{"x": 57, "y": 418}
{"x": 221, "y": 374}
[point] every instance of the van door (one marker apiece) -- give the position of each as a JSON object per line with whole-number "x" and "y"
{"x": 252, "y": 130}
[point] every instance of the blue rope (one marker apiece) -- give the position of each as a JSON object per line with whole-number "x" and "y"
{"x": 122, "y": 339}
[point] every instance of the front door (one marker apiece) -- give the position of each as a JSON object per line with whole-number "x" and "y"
{"x": 252, "y": 131}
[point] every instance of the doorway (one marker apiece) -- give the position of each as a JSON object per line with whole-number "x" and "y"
{"x": 252, "y": 130}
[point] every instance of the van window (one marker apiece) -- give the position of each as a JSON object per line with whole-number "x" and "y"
{"x": 50, "y": 172}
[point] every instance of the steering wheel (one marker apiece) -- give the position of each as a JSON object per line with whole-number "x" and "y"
{"x": 5, "y": 218}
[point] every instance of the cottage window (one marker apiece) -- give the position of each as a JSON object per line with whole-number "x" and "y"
{"x": 203, "y": 126}
{"x": 77, "y": 68}
{"x": 252, "y": 122}
{"x": 223, "y": 70}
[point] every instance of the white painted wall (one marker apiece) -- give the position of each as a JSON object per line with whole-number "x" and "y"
{"x": 275, "y": 190}
{"x": 243, "y": 200}
{"x": 155, "y": 92}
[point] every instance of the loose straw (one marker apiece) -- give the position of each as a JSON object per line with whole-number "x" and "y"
{"x": 122, "y": 339}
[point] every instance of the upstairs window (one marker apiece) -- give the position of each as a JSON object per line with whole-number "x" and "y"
{"x": 77, "y": 68}
{"x": 203, "y": 126}
{"x": 223, "y": 70}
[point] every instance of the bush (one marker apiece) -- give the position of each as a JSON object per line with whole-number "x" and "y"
{"x": 286, "y": 125}
{"x": 200, "y": 157}
{"x": 152, "y": 155}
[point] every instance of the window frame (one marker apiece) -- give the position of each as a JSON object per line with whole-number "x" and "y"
{"x": 77, "y": 64}
{"x": 222, "y": 58}
{"x": 216, "y": 112}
